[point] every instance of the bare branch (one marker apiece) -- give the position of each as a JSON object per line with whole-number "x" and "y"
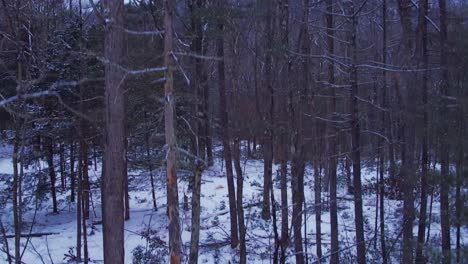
{"x": 144, "y": 33}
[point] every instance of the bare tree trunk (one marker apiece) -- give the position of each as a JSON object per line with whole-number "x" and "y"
{"x": 284, "y": 202}
{"x": 85, "y": 235}
{"x": 5, "y": 242}
{"x": 72, "y": 171}
{"x": 356, "y": 144}
{"x": 332, "y": 143}
{"x": 79, "y": 203}
{"x": 62, "y": 167}
{"x": 240, "y": 206}
{"x": 445, "y": 148}
{"x": 16, "y": 205}
{"x": 126, "y": 196}
{"x": 268, "y": 118}
{"x": 200, "y": 125}
{"x": 225, "y": 134}
{"x": 275, "y": 226}
{"x": 297, "y": 150}
{"x": 150, "y": 167}
{"x": 423, "y": 13}
{"x": 51, "y": 169}
{"x": 114, "y": 153}
{"x": 460, "y": 167}
{"x": 381, "y": 145}
{"x": 175, "y": 242}
{"x": 196, "y": 210}
{"x": 85, "y": 188}
{"x": 318, "y": 208}
{"x": 206, "y": 117}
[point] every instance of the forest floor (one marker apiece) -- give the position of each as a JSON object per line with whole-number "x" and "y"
{"x": 214, "y": 238}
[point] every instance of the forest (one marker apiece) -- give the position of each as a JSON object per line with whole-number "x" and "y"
{"x": 233, "y": 131}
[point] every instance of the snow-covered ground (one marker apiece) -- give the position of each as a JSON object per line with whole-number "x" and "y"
{"x": 214, "y": 223}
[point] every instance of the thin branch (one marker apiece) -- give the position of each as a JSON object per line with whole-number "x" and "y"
{"x": 198, "y": 56}
{"x": 427, "y": 18}
{"x": 144, "y": 33}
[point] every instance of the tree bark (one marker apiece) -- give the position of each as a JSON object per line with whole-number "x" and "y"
{"x": 383, "y": 131}
{"x": 332, "y": 147}
{"x": 150, "y": 167}
{"x": 16, "y": 204}
{"x": 196, "y": 210}
{"x": 356, "y": 143}
{"x": 240, "y": 206}
{"x": 225, "y": 135}
{"x": 423, "y": 13}
{"x": 72, "y": 171}
{"x": 268, "y": 117}
{"x": 114, "y": 153}
{"x": 460, "y": 169}
{"x": 52, "y": 175}
{"x": 62, "y": 167}
{"x": 445, "y": 147}
{"x": 85, "y": 188}
{"x": 175, "y": 243}
{"x": 79, "y": 203}
{"x": 126, "y": 196}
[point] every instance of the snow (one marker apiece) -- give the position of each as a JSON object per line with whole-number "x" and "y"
{"x": 214, "y": 218}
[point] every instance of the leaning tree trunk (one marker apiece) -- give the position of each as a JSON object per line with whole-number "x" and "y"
{"x": 114, "y": 152}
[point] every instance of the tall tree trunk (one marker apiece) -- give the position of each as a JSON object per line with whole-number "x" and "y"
{"x": 460, "y": 167}
{"x": 72, "y": 171}
{"x": 297, "y": 150}
{"x": 85, "y": 234}
{"x": 423, "y": 13}
{"x": 150, "y": 167}
{"x": 332, "y": 147}
{"x": 318, "y": 208}
{"x": 269, "y": 116}
{"x": 175, "y": 243}
{"x": 114, "y": 153}
{"x": 85, "y": 188}
{"x": 381, "y": 143}
{"x": 225, "y": 136}
{"x": 79, "y": 203}
{"x": 284, "y": 201}
{"x": 62, "y": 167}
{"x": 16, "y": 204}
{"x": 200, "y": 120}
{"x": 52, "y": 175}
{"x": 445, "y": 147}
{"x": 206, "y": 117}
{"x": 196, "y": 210}
{"x": 356, "y": 143}
{"x": 240, "y": 206}
{"x": 126, "y": 196}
